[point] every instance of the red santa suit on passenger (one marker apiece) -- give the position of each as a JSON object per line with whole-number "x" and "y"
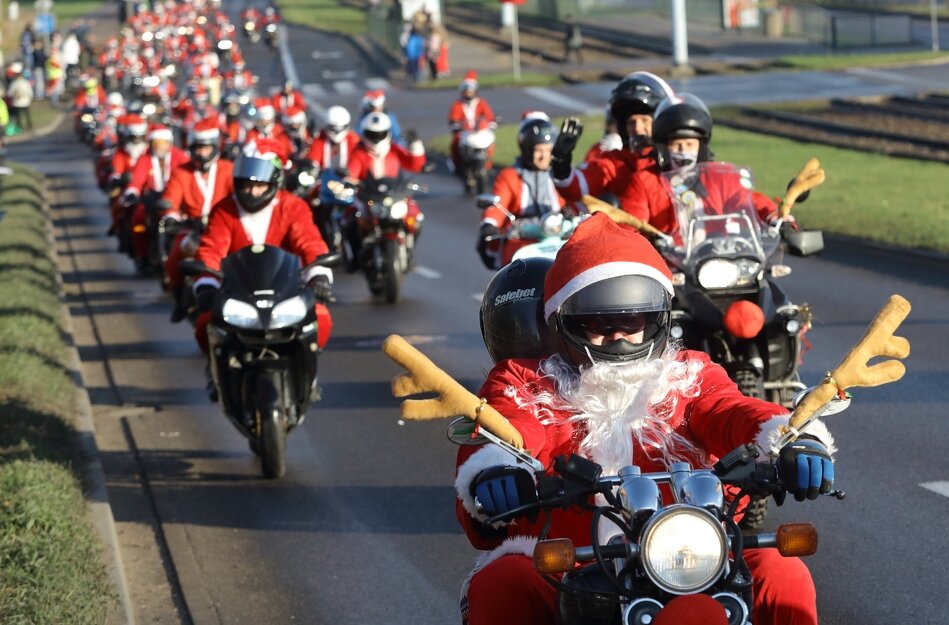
{"x": 286, "y": 222}
{"x": 124, "y": 159}
{"x": 612, "y": 172}
{"x": 469, "y": 114}
{"x": 282, "y": 101}
{"x": 329, "y": 152}
{"x": 385, "y": 160}
{"x": 266, "y": 127}
{"x": 677, "y": 406}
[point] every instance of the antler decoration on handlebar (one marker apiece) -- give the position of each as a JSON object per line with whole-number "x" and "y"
{"x": 423, "y": 376}
{"x": 854, "y": 369}
{"x": 810, "y": 176}
{"x": 620, "y": 216}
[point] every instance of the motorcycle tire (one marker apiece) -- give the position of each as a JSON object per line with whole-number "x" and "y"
{"x": 394, "y": 271}
{"x": 481, "y": 181}
{"x": 273, "y": 430}
{"x": 755, "y": 514}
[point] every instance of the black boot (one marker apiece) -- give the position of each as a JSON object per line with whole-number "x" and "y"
{"x": 210, "y": 385}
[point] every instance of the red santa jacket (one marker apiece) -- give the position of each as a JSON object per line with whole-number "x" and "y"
{"x": 277, "y": 132}
{"x": 716, "y": 420}
{"x": 124, "y": 163}
{"x": 364, "y": 164}
{"x": 192, "y": 192}
{"x": 327, "y": 154}
{"x": 465, "y": 115}
{"x": 612, "y": 172}
{"x": 515, "y": 197}
{"x": 84, "y": 99}
{"x": 282, "y": 101}
{"x": 289, "y": 225}
{"x": 647, "y": 198}
{"x": 152, "y": 174}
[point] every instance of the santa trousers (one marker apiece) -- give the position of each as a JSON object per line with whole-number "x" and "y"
{"x": 324, "y": 325}
{"x": 510, "y": 591}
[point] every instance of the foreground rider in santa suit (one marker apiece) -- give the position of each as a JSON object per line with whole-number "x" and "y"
{"x": 260, "y": 212}
{"x": 617, "y": 393}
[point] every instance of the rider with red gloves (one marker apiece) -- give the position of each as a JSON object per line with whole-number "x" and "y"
{"x": 336, "y": 141}
{"x": 150, "y": 175}
{"x": 193, "y": 189}
{"x": 260, "y": 212}
{"x": 469, "y": 112}
{"x": 524, "y": 190}
{"x": 632, "y": 104}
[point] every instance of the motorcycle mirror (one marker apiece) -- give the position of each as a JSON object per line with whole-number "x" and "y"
{"x": 832, "y": 407}
{"x": 803, "y": 243}
{"x": 485, "y": 200}
{"x": 464, "y": 431}
{"x": 194, "y": 267}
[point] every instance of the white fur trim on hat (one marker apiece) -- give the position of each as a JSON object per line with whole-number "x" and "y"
{"x": 161, "y": 134}
{"x": 772, "y": 429}
{"x": 602, "y": 272}
{"x": 488, "y": 456}
{"x": 207, "y": 135}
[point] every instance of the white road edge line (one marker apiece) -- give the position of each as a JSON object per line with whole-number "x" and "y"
{"x": 425, "y": 272}
{"x": 940, "y": 488}
{"x": 572, "y": 104}
{"x": 289, "y": 67}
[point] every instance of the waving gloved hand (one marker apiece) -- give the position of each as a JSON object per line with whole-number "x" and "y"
{"x": 501, "y": 488}
{"x": 806, "y": 468}
{"x": 562, "y": 153}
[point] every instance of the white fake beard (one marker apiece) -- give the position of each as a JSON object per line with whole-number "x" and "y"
{"x": 620, "y": 404}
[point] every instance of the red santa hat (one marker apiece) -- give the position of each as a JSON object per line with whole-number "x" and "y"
{"x": 597, "y": 250}
{"x": 161, "y": 133}
{"x": 267, "y": 148}
{"x": 296, "y": 114}
{"x": 470, "y": 81}
{"x": 265, "y": 109}
{"x": 206, "y": 130}
{"x": 136, "y": 125}
{"x": 375, "y": 98}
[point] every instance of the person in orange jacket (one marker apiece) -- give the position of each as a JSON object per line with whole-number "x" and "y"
{"x": 260, "y": 212}
{"x": 193, "y": 189}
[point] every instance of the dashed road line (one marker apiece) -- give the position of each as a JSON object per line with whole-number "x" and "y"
{"x": 426, "y": 272}
{"x": 345, "y": 87}
{"x": 940, "y": 488}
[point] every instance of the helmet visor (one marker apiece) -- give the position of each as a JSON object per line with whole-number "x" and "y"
{"x": 253, "y": 168}
{"x": 619, "y": 295}
{"x": 375, "y": 136}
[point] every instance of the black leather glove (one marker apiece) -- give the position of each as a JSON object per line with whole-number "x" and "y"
{"x": 204, "y": 297}
{"x": 562, "y": 154}
{"x": 322, "y": 289}
{"x": 485, "y": 232}
{"x": 501, "y": 488}
{"x": 806, "y": 468}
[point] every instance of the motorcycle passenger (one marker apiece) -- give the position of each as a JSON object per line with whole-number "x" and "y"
{"x": 609, "y": 142}
{"x": 682, "y": 130}
{"x": 375, "y": 102}
{"x": 266, "y": 126}
{"x": 525, "y": 190}
{"x": 469, "y": 112}
{"x": 294, "y": 122}
{"x": 260, "y": 212}
{"x": 193, "y": 189}
{"x": 618, "y": 392}
{"x": 332, "y": 147}
{"x": 288, "y": 97}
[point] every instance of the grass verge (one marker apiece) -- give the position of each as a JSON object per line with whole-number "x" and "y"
{"x": 528, "y": 79}
{"x": 868, "y": 196}
{"x": 329, "y": 15}
{"x": 829, "y": 62}
{"x": 51, "y": 569}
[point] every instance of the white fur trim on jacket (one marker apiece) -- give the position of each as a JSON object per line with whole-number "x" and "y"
{"x": 488, "y": 456}
{"x": 771, "y": 431}
{"x": 515, "y": 545}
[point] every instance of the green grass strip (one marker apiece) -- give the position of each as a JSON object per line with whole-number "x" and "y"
{"x": 51, "y": 569}
{"x": 327, "y": 15}
{"x": 827, "y": 62}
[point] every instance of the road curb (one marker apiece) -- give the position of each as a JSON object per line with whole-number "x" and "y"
{"x": 39, "y": 132}
{"x": 921, "y": 254}
{"x": 90, "y": 466}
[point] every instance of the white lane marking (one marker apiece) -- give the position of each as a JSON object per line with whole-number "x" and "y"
{"x": 313, "y": 90}
{"x": 414, "y": 339}
{"x": 890, "y": 77}
{"x": 558, "y": 99}
{"x": 330, "y": 74}
{"x": 377, "y": 83}
{"x": 289, "y": 67}
{"x": 331, "y": 54}
{"x": 344, "y": 87}
{"x": 425, "y": 272}
{"x": 941, "y": 488}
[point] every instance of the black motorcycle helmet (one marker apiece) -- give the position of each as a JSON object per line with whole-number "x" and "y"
{"x": 638, "y": 93}
{"x": 205, "y": 134}
{"x": 608, "y": 279}
{"x": 681, "y": 116}
{"x": 256, "y": 169}
{"x": 512, "y": 312}
{"x": 534, "y": 131}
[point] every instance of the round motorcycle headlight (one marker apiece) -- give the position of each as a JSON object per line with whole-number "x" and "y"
{"x": 552, "y": 225}
{"x": 684, "y": 550}
{"x": 240, "y": 314}
{"x": 288, "y": 312}
{"x": 87, "y": 118}
{"x": 306, "y": 178}
{"x": 720, "y": 273}
{"x": 399, "y": 210}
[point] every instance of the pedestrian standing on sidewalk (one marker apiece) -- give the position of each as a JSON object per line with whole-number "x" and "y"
{"x": 39, "y": 70}
{"x": 573, "y": 40}
{"x": 433, "y": 49}
{"x": 414, "y": 49}
{"x": 20, "y": 93}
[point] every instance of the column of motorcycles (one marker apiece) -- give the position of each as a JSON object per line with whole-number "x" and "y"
{"x": 262, "y": 334}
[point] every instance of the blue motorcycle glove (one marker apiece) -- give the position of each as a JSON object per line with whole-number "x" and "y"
{"x": 806, "y": 468}
{"x": 501, "y": 488}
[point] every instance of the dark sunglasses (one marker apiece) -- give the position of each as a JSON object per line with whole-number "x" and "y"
{"x": 627, "y": 323}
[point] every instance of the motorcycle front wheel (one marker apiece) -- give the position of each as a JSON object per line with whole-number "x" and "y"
{"x": 273, "y": 430}
{"x": 394, "y": 270}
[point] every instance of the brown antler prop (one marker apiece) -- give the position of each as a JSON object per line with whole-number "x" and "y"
{"x": 854, "y": 370}
{"x": 423, "y": 376}
{"x": 810, "y": 176}
{"x": 596, "y": 205}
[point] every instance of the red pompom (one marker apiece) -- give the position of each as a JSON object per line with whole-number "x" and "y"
{"x": 744, "y": 319}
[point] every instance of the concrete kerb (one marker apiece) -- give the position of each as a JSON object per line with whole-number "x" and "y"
{"x": 93, "y": 475}
{"x": 39, "y": 132}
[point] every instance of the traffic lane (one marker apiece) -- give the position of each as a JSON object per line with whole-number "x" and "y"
{"x": 890, "y": 440}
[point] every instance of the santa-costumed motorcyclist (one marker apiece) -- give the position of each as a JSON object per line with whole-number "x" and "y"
{"x": 150, "y": 176}
{"x": 133, "y": 133}
{"x": 193, "y": 189}
{"x": 92, "y": 95}
{"x": 469, "y": 112}
{"x": 266, "y": 126}
{"x": 632, "y": 104}
{"x": 375, "y": 101}
{"x": 335, "y": 142}
{"x": 618, "y": 393}
{"x": 524, "y": 190}
{"x": 260, "y": 212}
{"x": 295, "y": 123}
{"x": 288, "y": 97}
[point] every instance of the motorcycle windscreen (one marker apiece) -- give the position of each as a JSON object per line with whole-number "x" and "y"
{"x": 260, "y": 268}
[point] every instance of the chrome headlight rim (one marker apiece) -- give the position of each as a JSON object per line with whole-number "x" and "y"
{"x": 288, "y": 312}
{"x": 240, "y": 314}
{"x": 663, "y": 526}
{"x": 727, "y": 273}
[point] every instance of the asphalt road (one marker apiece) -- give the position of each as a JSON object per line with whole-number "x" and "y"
{"x": 362, "y": 528}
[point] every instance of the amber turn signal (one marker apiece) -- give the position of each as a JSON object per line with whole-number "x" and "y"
{"x": 796, "y": 539}
{"x": 557, "y": 555}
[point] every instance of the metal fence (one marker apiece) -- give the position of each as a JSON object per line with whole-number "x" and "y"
{"x": 838, "y": 29}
